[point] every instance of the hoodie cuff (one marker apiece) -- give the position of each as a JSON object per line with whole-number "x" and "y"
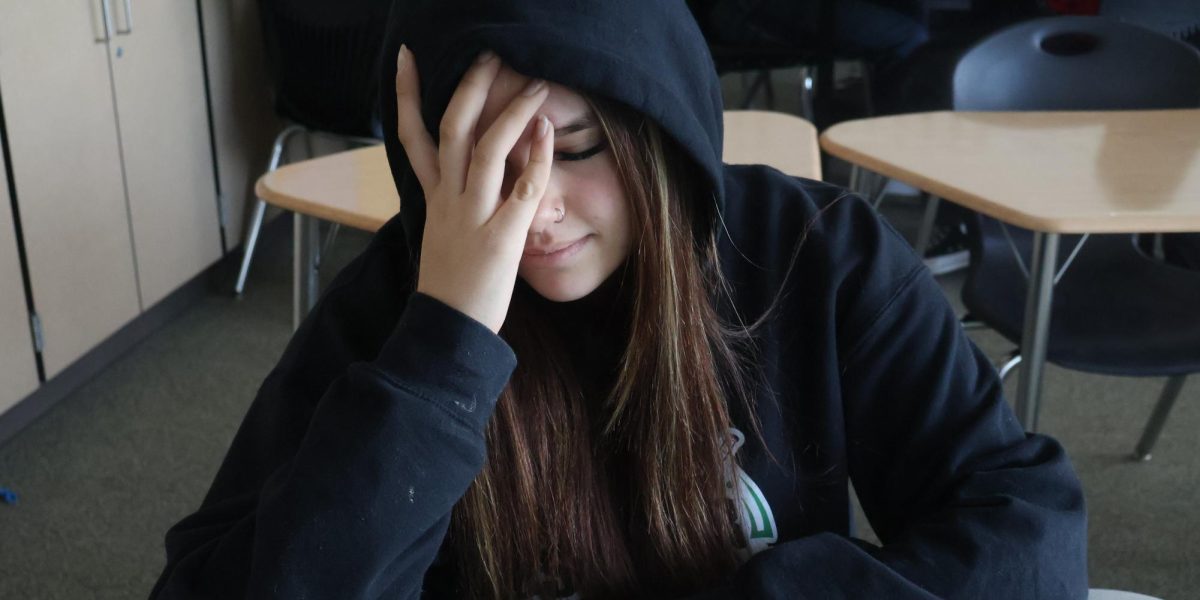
{"x": 448, "y": 359}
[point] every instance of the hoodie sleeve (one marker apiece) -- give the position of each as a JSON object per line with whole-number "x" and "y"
{"x": 965, "y": 503}
{"x": 341, "y": 486}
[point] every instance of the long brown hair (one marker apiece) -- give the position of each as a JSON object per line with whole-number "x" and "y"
{"x": 622, "y": 495}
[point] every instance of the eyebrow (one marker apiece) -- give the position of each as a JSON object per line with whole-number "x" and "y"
{"x": 580, "y": 124}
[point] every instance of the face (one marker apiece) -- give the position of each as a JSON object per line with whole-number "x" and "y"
{"x": 567, "y": 260}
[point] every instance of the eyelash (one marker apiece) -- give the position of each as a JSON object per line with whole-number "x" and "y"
{"x": 577, "y": 156}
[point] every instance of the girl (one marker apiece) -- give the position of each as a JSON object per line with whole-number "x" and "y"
{"x": 589, "y": 359}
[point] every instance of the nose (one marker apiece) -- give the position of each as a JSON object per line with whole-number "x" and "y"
{"x": 551, "y": 209}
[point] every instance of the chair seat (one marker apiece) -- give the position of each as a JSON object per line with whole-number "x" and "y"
{"x": 1115, "y": 310}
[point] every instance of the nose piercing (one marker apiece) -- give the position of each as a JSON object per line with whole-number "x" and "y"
{"x": 562, "y": 214}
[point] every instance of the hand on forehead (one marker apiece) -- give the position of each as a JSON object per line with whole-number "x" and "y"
{"x": 507, "y": 85}
{"x": 562, "y": 106}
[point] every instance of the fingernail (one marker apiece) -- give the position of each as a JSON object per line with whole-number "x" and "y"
{"x": 543, "y": 126}
{"x": 534, "y": 87}
{"x": 402, "y": 58}
{"x": 484, "y": 57}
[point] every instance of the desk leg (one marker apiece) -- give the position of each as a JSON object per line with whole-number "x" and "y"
{"x": 305, "y": 285}
{"x": 1035, "y": 335}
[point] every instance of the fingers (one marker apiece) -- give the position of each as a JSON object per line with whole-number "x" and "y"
{"x": 418, "y": 144}
{"x": 486, "y": 171}
{"x": 457, "y": 130}
{"x": 517, "y": 213}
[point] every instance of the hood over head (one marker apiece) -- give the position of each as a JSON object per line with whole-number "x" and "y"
{"x": 646, "y": 54}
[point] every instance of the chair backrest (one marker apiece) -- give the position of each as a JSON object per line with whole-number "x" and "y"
{"x": 323, "y": 58}
{"x": 1077, "y": 63}
{"x": 738, "y": 41}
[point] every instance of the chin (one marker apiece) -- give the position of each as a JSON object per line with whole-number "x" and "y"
{"x": 560, "y": 287}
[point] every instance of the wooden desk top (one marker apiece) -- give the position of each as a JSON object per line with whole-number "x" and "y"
{"x": 783, "y": 141}
{"x": 355, "y": 188}
{"x": 1061, "y": 172}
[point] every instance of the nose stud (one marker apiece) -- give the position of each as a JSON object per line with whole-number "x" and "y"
{"x": 562, "y": 214}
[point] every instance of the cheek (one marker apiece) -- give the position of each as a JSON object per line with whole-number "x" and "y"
{"x": 600, "y": 199}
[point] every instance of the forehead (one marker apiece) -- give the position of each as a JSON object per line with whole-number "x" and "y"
{"x": 562, "y": 105}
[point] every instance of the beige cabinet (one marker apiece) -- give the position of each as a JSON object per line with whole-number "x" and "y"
{"x": 158, "y": 78}
{"x": 108, "y": 130}
{"x": 66, "y": 159}
{"x": 18, "y": 369}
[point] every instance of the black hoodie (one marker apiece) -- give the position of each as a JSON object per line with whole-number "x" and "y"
{"x": 341, "y": 479}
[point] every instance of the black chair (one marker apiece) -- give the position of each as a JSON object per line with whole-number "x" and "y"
{"x": 323, "y": 59}
{"x": 761, "y": 35}
{"x": 1115, "y": 310}
{"x": 761, "y": 56}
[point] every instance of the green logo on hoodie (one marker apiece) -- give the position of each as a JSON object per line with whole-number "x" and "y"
{"x": 752, "y": 512}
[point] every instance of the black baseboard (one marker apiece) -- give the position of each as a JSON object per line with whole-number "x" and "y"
{"x": 97, "y": 359}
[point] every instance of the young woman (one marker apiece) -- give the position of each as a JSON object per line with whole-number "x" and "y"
{"x": 587, "y": 358}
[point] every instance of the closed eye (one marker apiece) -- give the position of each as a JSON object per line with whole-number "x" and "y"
{"x": 582, "y": 155}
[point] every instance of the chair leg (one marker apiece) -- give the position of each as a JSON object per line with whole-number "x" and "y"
{"x": 1158, "y": 418}
{"x": 761, "y": 76}
{"x": 806, "y": 94}
{"x": 1010, "y": 364}
{"x": 878, "y": 192}
{"x": 330, "y": 236}
{"x": 877, "y": 184}
{"x": 970, "y": 323}
{"x": 857, "y": 174}
{"x": 769, "y": 85}
{"x": 1159, "y": 252}
{"x": 260, "y": 208}
{"x": 867, "y": 184}
{"x": 926, "y": 232}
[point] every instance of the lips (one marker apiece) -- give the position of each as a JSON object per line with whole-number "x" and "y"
{"x": 553, "y": 255}
{"x": 551, "y": 249}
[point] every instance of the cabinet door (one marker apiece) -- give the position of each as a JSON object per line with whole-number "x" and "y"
{"x": 244, "y": 123}
{"x": 62, "y": 133}
{"x": 18, "y": 370}
{"x": 158, "y": 76}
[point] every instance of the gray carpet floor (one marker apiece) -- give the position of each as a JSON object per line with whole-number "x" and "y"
{"x": 104, "y": 474}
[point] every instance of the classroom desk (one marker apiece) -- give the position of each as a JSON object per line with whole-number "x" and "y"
{"x": 355, "y": 188}
{"x": 1051, "y": 172}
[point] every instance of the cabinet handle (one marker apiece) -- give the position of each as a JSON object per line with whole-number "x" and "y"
{"x": 128, "y": 18}
{"x": 106, "y": 17}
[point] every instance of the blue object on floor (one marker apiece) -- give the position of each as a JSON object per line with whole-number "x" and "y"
{"x": 8, "y": 496}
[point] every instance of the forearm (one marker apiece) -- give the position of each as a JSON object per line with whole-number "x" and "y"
{"x": 361, "y": 507}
